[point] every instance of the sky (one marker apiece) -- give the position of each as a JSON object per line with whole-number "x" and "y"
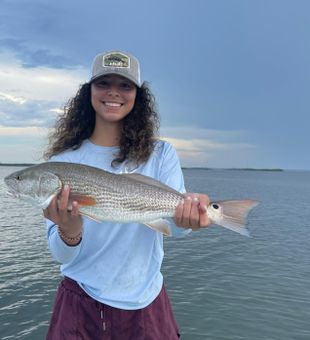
{"x": 231, "y": 77}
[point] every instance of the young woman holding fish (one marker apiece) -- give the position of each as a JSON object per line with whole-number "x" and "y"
{"x": 113, "y": 287}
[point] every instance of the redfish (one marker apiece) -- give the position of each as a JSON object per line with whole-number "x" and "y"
{"x": 105, "y": 196}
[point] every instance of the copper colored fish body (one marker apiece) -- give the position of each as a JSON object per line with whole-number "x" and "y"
{"x": 105, "y": 196}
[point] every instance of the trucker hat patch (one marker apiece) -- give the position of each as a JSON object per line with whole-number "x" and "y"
{"x": 116, "y": 59}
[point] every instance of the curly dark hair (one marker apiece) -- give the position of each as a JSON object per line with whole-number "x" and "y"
{"x": 77, "y": 123}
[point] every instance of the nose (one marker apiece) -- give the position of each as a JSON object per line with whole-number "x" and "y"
{"x": 113, "y": 91}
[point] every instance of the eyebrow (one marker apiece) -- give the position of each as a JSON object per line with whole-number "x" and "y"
{"x": 119, "y": 81}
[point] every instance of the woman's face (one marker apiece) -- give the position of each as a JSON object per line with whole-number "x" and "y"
{"x": 113, "y": 97}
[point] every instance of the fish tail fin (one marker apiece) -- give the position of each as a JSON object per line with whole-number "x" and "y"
{"x": 234, "y": 216}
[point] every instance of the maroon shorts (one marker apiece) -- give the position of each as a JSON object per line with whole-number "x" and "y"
{"x": 77, "y": 316}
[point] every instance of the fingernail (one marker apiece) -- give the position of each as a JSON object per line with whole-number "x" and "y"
{"x": 66, "y": 187}
{"x": 195, "y": 199}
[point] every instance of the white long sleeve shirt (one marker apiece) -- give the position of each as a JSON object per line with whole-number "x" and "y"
{"x": 118, "y": 264}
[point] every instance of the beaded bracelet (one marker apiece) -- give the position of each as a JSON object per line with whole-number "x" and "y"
{"x": 76, "y": 239}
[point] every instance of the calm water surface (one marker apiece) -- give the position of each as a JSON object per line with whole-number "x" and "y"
{"x": 222, "y": 285}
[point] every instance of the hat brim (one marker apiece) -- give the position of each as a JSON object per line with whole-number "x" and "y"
{"x": 120, "y": 73}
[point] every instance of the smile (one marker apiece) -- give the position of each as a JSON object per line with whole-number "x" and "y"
{"x": 111, "y": 104}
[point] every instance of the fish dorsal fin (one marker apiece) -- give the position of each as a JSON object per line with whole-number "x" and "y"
{"x": 150, "y": 181}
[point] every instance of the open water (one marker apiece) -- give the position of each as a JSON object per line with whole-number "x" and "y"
{"x": 223, "y": 286}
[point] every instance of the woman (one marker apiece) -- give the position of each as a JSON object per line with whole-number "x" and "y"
{"x": 113, "y": 287}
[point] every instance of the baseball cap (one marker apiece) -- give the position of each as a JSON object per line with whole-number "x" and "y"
{"x": 116, "y": 62}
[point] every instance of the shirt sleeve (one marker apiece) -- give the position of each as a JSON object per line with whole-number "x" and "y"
{"x": 60, "y": 251}
{"x": 171, "y": 174}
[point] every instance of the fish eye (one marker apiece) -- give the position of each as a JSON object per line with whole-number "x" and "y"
{"x": 215, "y": 206}
{"x": 18, "y": 177}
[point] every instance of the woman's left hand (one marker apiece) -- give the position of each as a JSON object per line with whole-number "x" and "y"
{"x": 193, "y": 212}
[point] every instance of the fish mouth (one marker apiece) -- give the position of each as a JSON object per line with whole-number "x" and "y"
{"x": 13, "y": 193}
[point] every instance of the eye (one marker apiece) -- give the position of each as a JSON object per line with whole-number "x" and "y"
{"x": 215, "y": 206}
{"x": 102, "y": 83}
{"x": 18, "y": 178}
{"x": 126, "y": 86}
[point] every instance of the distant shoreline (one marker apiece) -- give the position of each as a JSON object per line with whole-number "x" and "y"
{"x": 233, "y": 169}
{"x": 17, "y": 164}
{"x": 185, "y": 168}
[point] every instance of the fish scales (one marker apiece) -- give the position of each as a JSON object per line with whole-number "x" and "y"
{"x": 144, "y": 203}
{"x": 113, "y": 203}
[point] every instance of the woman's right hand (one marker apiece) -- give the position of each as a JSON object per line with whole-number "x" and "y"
{"x": 59, "y": 211}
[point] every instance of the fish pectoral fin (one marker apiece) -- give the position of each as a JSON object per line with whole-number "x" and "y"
{"x": 83, "y": 199}
{"x": 160, "y": 225}
{"x": 47, "y": 202}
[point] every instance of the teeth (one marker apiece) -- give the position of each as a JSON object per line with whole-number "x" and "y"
{"x": 112, "y": 104}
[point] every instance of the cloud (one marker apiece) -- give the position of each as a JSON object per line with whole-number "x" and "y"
{"x": 34, "y": 56}
{"x": 22, "y": 131}
{"x": 209, "y": 148}
{"x": 11, "y": 98}
{"x": 30, "y": 99}
{"x": 18, "y": 111}
{"x": 38, "y": 83}
{"x": 33, "y": 96}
